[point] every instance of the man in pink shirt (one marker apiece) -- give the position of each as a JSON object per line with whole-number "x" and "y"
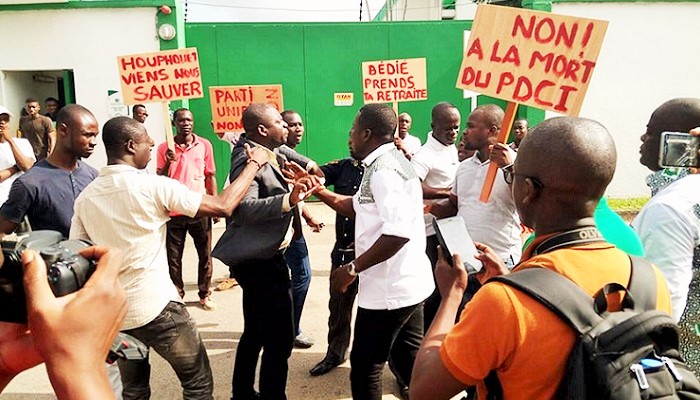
{"x": 192, "y": 163}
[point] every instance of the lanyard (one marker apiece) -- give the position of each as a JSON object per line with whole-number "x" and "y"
{"x": 585, "y": 235}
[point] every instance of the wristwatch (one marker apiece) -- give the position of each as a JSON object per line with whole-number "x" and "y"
{"x": 350, "y": 268}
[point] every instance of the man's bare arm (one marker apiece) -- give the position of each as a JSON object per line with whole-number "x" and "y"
{"x": 338, "y": 202}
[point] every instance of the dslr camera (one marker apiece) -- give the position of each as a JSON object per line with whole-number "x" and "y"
{"x": 66, "y": 269}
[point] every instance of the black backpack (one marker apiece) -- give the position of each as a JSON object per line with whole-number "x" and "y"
{"x": 628, "y": 354}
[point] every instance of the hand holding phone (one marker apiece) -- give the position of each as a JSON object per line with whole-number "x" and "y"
{"x": 454, "y": 238}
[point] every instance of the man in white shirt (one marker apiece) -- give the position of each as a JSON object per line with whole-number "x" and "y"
{"x": 137, "y": 206}
{"x": 16, "y": 155}
{"x": 496, "y": 222}
{"x": 394, "y": 271}
{"x": 669, "y": 224}
{"x": 406, "y": 142}
{"x": 436, "y": 166}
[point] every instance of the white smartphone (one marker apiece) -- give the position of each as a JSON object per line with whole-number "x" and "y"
{"x": 454, "y": 238}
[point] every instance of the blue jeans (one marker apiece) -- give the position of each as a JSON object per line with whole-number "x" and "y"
{"x": 172, "y": 334}
{"x": 297, "y": 257}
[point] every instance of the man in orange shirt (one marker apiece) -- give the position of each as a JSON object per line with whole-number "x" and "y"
{"x": 502, "y": 329}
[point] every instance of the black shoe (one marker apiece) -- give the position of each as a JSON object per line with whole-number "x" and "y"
{"x": 325, "y": 366}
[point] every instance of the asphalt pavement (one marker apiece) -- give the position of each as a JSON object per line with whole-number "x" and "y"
{"x": 222, "y": 327}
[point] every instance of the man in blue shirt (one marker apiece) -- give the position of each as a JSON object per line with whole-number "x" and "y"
{"x": 47, "y": 191}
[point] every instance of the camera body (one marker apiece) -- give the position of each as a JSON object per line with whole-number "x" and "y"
{"x": 66, "y": 269}
{"x": 679, "y": 149}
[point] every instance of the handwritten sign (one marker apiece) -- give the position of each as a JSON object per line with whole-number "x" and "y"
{"x": 529, "y": 57}
{"x": 394, "y": 81}
{"x": 229, "y": 102}
{"x": 160, "y": 77}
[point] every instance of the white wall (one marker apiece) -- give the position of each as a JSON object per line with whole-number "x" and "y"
{"x": 87, "y": 41}
{"x": 649, "y": 55}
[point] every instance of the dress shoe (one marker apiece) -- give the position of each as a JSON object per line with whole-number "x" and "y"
{"x": 325, "y": 366}
{"x": 302, "y": 341}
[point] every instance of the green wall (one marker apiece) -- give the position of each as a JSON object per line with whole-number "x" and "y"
{"x": 315, "y": 60}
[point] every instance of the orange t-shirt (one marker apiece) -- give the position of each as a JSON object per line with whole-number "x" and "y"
{"x": 505, "y": 330}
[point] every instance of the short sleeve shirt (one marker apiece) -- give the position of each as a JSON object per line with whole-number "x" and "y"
{"x": 46, "y": 195}
{"x": 194, "y": 162}
{"x": 505, "y": 330}
{"x": 7, "y": 160}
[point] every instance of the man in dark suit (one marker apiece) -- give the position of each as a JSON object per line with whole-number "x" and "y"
{"x": 252, "y": 246}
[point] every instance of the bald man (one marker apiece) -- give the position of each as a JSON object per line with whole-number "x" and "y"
{"x": 669, "y": 224}
{"x": 47, "y": 191}
{"x": 406, "y": 142}
{"x": 502, "y": 329}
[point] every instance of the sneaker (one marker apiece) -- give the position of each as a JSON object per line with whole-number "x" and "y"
{"x": 303, "y": 342}
{"x": 226, "y": 284}
{"x": 208, "y": 303}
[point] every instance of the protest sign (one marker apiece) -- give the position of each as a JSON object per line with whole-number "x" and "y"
{"x": 229, "y": 102}
{"x": 394, "y": 81}
{"x": 529, "y": 57}
{"x": 160, "y": 77}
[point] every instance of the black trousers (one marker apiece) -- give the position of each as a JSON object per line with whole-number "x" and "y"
{"x": 200, "y": 230}
{"x": 380, "y": 334}
{"x": 268, "y": 327}
{"x": 340, "y": 307}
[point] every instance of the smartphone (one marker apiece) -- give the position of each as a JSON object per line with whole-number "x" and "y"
{"x": 679, "y": 150}
{"x": 454, "y": 238}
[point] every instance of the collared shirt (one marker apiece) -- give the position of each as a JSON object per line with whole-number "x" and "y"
{"x": 128, "y": 209}
{"x": 345, "y": 176}
{"x": 669, "y": 227}
{"x": 412, "y": 143}
{"x": 495, "y": 223}
{"x": 45, "y": 194}
{"x": 436, "y": 165}
{"x": 7, "y": 160}
{"x": 194, "y": 162}
{"x": 390, "y": 202}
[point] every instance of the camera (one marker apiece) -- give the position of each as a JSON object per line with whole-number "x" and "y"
{"x": 678, "y": 149}
{"x": 66, "y": 269}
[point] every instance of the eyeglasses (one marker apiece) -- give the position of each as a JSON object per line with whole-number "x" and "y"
{"x": 509, "y": 175}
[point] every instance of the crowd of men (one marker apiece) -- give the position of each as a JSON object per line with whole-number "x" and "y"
{"x": 441, "y": 330}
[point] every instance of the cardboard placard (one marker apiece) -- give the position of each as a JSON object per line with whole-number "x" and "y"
{"x": 229, "y": 102}
{"x": 529, "y": 57}
{"x": 394, "y": 81}
{"x": 161, "y": 76}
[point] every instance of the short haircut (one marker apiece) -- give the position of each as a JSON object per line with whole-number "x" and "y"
{"x": 67, "y": 114}
{"x": 31, "y": 100}
{"x": 178, "y": 111}
{"x": 52, "y": 99}
{"x": 253, "y": 116}
{"x": 118, "y": 131}
{"x": 440, "y": 108}
{"x": 289, "y": 112}
{"x": 492, "y": 114}
{"x": 379, "y": 118}
{"x": 136, "y": 107}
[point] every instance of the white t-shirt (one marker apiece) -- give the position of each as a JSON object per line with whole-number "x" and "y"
{"x": 669, "y": 228}
{"x": 390, "y": 202}
{"x": 128, "y": 209}
{"x": 494, "y": 223}
{"x": 436, "y": 165}
{"x": 412, "y": 143}
{"x": 7, "y": 160}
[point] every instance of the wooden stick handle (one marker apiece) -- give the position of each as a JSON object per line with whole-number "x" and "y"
{"x": 506, "y": 125}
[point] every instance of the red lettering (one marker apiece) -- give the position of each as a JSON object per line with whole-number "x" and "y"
{"x": 519, "y": 25}
{"x": 562, "y": 35}
{"x": 549, "y": 24}
{"x": 475, "y": 48}
{"x": 505, "y": 79}
{"x": 588, "y": 68}
{"x": 512, "y": 56}
{"x": 587, "y": 34}
{"x": 372, "y": 69}
{"x": 494, "y": 50}
{"x": 538, "y": 93}
{"x": 523, "y": 82}
{"x": 565, "y": 90}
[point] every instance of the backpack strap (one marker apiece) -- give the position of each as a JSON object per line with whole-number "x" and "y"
{"x": 556, "y": 292}
{"x": 571, "y": 303}
{"x": 642, "y": 284}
